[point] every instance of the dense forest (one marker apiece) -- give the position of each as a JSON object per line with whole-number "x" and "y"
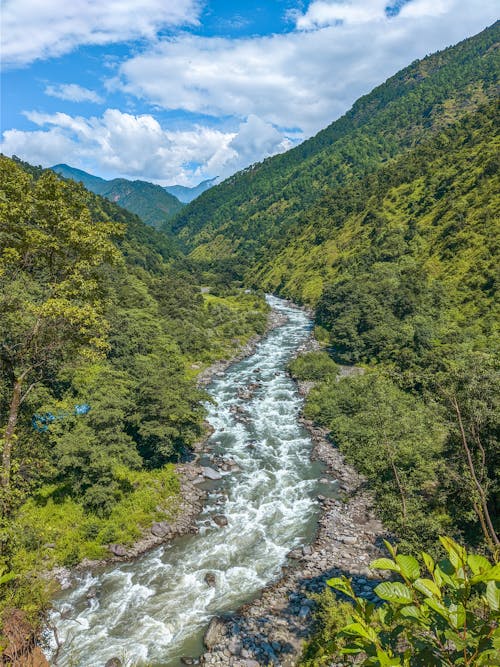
{"x": 104, "y": 329}
{"x": 257, "y": 212}
{"x": 386, "y": 223}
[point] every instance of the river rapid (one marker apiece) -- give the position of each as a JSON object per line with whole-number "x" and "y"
{"x": 155, "y": 609}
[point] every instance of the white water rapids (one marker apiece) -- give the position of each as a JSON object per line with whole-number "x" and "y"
{"x": 155, "y": 609}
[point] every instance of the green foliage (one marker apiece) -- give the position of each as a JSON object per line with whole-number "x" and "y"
{"x": 261, "y": 211}
{"x": 52, "y": 528}
{"x": 313, "y": 366}
{"x": 152, "y": 203}
{"x": 445, "y": 613}
{"x": 396, "y": 441}
{"x": 97, "y": 309}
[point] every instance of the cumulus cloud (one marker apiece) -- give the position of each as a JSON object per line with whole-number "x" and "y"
{"x": 33, "y": 29}
{"x": 122, "y": 144}
{"x": 72, "y": 92}
{"x": 307, "y": 78}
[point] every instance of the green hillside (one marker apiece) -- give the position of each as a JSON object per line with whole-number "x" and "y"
{"x": 152, "y": 203}
{"x": 386, "y": 223}
{"x": 257, "y": 212}
{"x": 103, "y": 332}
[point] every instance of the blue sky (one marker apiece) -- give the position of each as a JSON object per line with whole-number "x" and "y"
{"x": 176, "y": 91}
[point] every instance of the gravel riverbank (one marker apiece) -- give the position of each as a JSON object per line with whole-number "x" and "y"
{"x": 271, "y": 629}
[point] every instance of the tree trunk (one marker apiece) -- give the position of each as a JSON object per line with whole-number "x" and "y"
{"x": 490, "y": 533}
{"x": 10, "y": 434}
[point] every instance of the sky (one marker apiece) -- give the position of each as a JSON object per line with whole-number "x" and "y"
{"x": 179, "y": 91}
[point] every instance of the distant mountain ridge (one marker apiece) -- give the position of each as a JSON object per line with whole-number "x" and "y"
{"x": 152, "y": 203}
{"x": 185, "y": 194}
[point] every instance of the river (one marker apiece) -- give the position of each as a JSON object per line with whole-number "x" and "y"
{"x": 155, "y": 609}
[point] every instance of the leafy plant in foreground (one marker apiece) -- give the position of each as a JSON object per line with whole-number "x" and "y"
{"x": 447, "y": 616}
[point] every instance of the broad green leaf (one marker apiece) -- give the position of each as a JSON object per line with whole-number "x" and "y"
{"x": 409, "y": 566}
{"x": 456, "y": 553}
{"x": 457, "y": 616}
{"x": 428, "y": 587}
{"x": 385, "y": 564}
{"x": 394, "y": 591}
{"x": 361, "y": 631}
{"x": 478, "y": 564}
{"x": 493, "y": 574}
{"x": 438, "y": 607}
{"x": 493, "y": 595}
{"x": 343, "y": 585}
{"x": 390, "y": 548}
{"x": 429, "y": 562}
{"x": 444, "y": 573}
{"x": 386, "y": 660}
{"x": 410, "y": 611}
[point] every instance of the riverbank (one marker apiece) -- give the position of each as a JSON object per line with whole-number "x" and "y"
{"x": 271, "y": 629}
{"x": 190, "y": 475}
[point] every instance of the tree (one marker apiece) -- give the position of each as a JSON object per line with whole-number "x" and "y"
{"x": 52, "y": 283}
{"x": 446, "y": 616}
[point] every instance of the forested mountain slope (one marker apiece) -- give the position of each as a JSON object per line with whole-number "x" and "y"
{"x": 387, "y": 223}
{"x": 152, "y": 203}
{"x": 102, "y": 333}
{"x": 257, "y": 212}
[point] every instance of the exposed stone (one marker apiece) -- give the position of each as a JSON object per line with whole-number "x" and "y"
{"x": 210, "y": 473}
{"x": 117, "y": 550}
{"x": 220, "y": 520}
{"x": 113, "y": 662}
{"x": 210, "y": 579}
{"x": 215, "y": 633}
{"x": 160, "y": 528}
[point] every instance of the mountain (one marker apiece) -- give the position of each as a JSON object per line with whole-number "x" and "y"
{"x": 150, "y": 202}
{"x": 186, "y": 195}
{"x": 251, "y": 217}
{"x": 386, "y": 222}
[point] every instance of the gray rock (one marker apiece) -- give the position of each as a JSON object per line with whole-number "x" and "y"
{"x": 210, "y": 473}
{"x": 113, "y": 662}
{"x": 160, "y": 528}
{"x": 215, "y": 633}
{"x": 220, "y": 520}
{"x": 304, "y": 612}
{"x": 210, "y": 579}
{"x": 186, "y": 660}
{"x": 117, "y": 550}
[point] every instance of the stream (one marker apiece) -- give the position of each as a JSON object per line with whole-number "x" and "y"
{"x": 155, "y": 609}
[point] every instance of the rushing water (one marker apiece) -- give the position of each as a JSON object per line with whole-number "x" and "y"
{"x": 155, "y": 609}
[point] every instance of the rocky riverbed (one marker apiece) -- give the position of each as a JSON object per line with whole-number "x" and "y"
{"x": 271, "y": 629}
{"x": 190, "y": 475}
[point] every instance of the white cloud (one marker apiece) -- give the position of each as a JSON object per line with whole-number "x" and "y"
{"x": 72, "y": 92}
{"x": 33, "y": 29}
{"x": 307, "y": 78}
{"x": 121, "y": 144}
{"x": 330, "y": 12}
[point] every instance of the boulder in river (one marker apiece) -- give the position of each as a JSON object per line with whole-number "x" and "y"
{"x": 220, "y": 520}
{"x": 113, "y": 662}
{"x": 210, "y": 473}
{"x": 210, "y": 579}
{"x": 216, "y": 631}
